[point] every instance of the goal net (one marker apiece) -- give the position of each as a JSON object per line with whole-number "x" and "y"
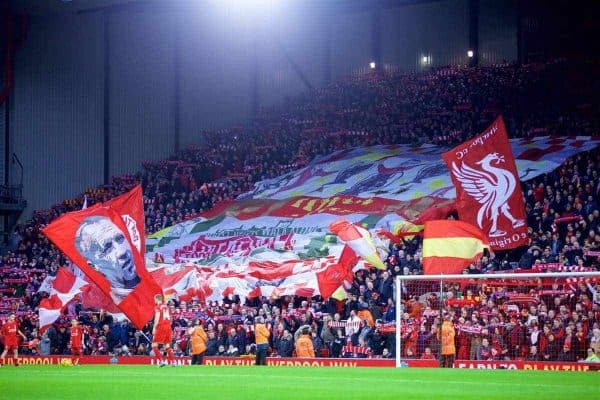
{"x": 505, "y": 316}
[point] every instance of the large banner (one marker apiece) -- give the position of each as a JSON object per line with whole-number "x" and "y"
{"x": 529, "y": 365}
{"x": 488, "y": 193}
{"x": 310, "y": 362}
{"x": 404, "y": 172}
{"x": 99, "y": 242}
{"x": 375, "y": 187}
{"x": 224, "y": 361}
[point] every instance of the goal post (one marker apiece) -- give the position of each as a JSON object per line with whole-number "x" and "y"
{"x": 482, "y": 306}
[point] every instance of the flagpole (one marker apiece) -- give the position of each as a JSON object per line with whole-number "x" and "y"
{"x": 499, "y": 276}
{"x": 441, "y": 319}
{"x": 398, "y": 323}
{"x": 144, "y": 335}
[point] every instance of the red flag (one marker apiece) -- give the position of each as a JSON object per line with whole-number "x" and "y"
{"x": 64, "y": 287}
{"x": 450, "y": 246}
{"x": 331, "y": 278}
{"x": 436, "y": 212}
{"x": 130, "y": 206}
{"x": 98, "y": 241}
{"x": 488, "y": 194}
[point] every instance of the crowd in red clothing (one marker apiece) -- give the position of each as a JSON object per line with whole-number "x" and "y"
{"x": 445, "y": 107}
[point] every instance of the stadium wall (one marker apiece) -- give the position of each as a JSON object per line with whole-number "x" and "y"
{"x": 351, "y": 44}
{"x": 56, "y": 113}
{"x": 2, "y": 134}
{"x": 141, "y": 88}
{"x": 215, "y": 72}
{"x": 292, "y": 56}
{"x": 438, "y": 30}
{"x": 497, "y": 32}
{"x": 2, "y": 110}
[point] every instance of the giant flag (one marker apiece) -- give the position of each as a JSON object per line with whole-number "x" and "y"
{"x": 450, "y": 246}
{"x": 488, "y": 194}
{"x": 62, "y": 289}
{"x": 99, "y": 242}
{"x": 264, "y": 243}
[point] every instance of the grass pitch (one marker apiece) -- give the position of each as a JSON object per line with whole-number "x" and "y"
{"x": 128, "y": 382}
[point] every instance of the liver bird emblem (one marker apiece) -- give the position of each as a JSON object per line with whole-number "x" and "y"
{"x": 492, "y": 187}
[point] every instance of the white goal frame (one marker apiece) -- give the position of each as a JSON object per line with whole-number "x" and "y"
{"x": 400, "y": 279}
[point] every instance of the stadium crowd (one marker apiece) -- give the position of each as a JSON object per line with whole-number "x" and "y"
{"x": 541, "y": 320}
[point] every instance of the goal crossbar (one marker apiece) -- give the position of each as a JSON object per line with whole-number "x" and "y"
{"x": 469, "y": 277}
{"x": 497, "y": 276}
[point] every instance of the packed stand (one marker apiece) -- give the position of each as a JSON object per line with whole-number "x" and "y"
{"x": 444, "y": 107}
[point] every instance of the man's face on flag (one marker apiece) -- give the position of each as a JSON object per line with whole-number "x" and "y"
{"x": 106, "y": 248}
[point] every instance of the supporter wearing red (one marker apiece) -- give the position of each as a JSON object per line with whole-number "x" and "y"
{"x": 10, "y": 330}
{"x": 360, "y": 351}
{"x": 427, "y": 354}
{"x": 552, "y": 349}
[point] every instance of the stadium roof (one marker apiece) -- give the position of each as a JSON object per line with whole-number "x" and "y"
{"x": 45, "y": 7}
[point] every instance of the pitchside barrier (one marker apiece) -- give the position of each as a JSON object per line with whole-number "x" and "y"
{"x": 428, "y": 300}
{"x": 302, "y": 362}
{"x": 220, "y": 361}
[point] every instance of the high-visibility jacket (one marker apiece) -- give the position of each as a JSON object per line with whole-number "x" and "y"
{"x": 198, "y": 339}
{"x": 304, "y": 347}
{"x": 261, "y": 334}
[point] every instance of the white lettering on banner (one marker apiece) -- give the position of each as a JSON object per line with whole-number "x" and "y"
{"x": 505, "y": 241}
{"x": 283, "y": 363}
{"x": 134, "y": 233}
{"x": 487, "y": 366}
{"x": 528, "y": 365}
{"x": 185, "y": 361}
{"x": 241, "y": 246}
{"x": 477, "y": 142}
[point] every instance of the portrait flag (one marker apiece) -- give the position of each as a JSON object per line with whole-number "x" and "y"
{"x": 98, "y": 242}
{"x": 130, "y": 206}
{"x": 450, "y": 246}
{"x": 488, "y": 193}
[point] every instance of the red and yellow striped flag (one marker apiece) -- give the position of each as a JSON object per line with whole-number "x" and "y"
{"x": 450, "y": 246}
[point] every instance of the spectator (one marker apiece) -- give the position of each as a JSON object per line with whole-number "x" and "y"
{"x": 304, "y": 345}
{"x": 212, "y": 345}
{"x": 285, "y": 345}
{"x": 592, "y": 356}
{"x": 448, "y": 347}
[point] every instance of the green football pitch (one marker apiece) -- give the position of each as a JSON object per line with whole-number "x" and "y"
{"x": 282, "y": 383}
